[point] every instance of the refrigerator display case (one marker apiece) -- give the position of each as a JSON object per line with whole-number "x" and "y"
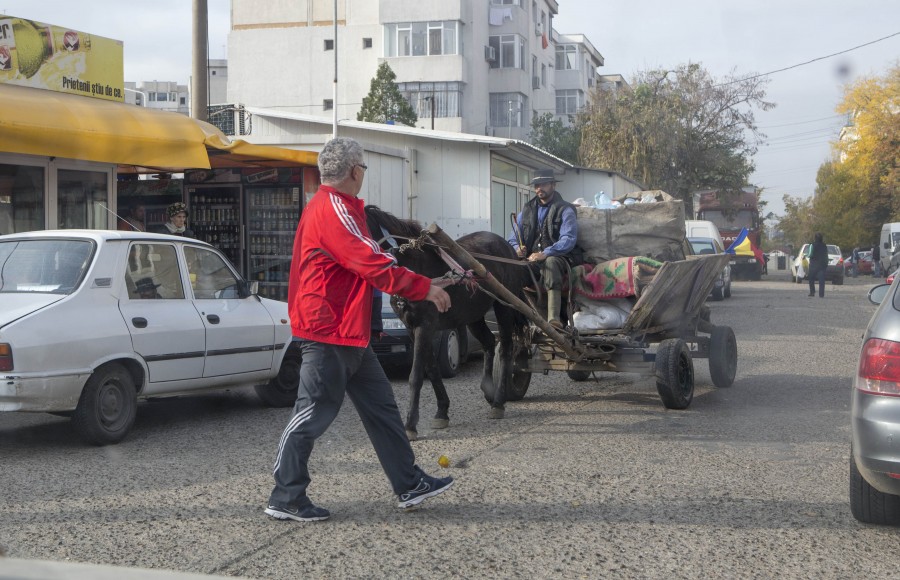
{"x": 214, "y": 214}
{"x": 272, "y": 216}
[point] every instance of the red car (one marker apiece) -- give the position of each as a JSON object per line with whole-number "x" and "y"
{"x": 865, "y": 265}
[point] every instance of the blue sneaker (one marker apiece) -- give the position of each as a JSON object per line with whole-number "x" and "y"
{"x": 426, "y": 487}
{"x": 307, "y": 513}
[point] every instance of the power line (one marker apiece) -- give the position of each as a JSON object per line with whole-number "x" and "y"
{"x": 804, "y": 122}
{"x": 807, "y": 62}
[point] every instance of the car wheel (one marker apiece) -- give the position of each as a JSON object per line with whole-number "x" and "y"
{"x": 281, "y": 391}
{"x": 722, "y": 356}
{"x": 448, "y": 353}
{"x": 717, "y": 294}
{"x": 869, "y": 505}
{"x": 107, "y": 406}
{"x": 727, "y": 292}
{"x": 838, "y": 281}
{"x": 674, "y": 374}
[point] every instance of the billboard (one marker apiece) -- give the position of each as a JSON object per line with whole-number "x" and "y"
{"x": 39, "y": 55}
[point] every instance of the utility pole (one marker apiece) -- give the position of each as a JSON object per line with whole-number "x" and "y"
{"x": 199, "y": 61}
{"x": 334, "y": 90}
{"x": 431, "y": 98}
{"x": 509, "y": 121}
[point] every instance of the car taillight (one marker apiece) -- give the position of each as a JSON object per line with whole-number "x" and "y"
{"x": 6, "y": 363}
{"x": 879, "y": 368}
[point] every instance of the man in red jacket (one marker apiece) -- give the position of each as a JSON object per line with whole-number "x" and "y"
{"x": 335, "y": 264}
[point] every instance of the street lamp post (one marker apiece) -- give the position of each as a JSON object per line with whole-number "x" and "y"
{"x": 431, "y": 98}
{"x": 509, "y": 121}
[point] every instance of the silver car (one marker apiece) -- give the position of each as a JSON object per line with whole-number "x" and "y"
{"x": 875, "y": 415}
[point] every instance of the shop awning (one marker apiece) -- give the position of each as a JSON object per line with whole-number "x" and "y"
{"x": 41, "y": 122}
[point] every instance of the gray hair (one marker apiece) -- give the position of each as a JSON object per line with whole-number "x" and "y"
{"x": 337, "y": 159}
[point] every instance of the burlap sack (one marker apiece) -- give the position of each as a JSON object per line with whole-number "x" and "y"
{"x": 655, "y": 230}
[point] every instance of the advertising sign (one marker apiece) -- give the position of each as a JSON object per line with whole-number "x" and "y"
{"x": 39, "y": 55}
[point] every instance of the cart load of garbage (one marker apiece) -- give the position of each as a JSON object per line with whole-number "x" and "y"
{"x": 641, "y": 223}
{"x": 625, "y": 241}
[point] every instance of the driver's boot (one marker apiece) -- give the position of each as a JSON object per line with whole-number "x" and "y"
{"x": 554, "y": 301}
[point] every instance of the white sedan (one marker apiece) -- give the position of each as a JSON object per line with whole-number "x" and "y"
{"x": 93, "y": 320}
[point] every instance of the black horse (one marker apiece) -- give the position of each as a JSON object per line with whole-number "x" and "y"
{"x": 468, "y": 307}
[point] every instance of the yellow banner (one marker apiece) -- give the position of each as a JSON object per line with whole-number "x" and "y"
{"x": 43, "y": 56}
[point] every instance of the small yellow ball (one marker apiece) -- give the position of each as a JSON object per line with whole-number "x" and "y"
{"x": 444, "y": 461}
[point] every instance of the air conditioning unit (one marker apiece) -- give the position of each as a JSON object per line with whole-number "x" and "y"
{"x": 490, "y": 54}
{"x": 535, "y": 82}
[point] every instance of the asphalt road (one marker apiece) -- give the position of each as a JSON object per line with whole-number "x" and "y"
{"x": 580, "y": 480}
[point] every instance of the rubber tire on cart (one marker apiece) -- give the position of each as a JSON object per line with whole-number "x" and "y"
{"x": 674, "y": 374}
{"x": 838, "y": 281}
{"x": 869, "y": 505}
{"x": 722, "y": 356}
{"x": 281, "y": 391}
{"x": 107, "y": 406}
{"x": 520, "y": 380}
{"x": 579, "y": 376}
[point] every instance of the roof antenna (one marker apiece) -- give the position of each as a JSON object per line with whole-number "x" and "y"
{"x": 131, "y": 225}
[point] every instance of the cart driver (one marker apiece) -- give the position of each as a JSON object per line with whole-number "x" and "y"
{"x": 545, "y": 235}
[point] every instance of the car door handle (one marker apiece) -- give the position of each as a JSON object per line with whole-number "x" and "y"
{"x": 139, "y": 322}
{"x": 213, "y": 318}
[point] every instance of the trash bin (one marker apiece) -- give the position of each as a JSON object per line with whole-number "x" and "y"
{"x": 782, "y": 262}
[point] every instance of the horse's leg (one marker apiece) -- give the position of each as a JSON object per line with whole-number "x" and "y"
{"x": 505, "y": 322}
{"x": 484, "y": 335}
{"x": 421, "y": 354}
{"x": 441, "y": 416}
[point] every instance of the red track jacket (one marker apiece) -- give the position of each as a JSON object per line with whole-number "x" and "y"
{"x": 334, "y": 266}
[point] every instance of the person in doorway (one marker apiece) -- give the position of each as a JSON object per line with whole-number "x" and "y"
{"x": 818, "y": 263}
{"x": 876, "y": 261}
{"x": 133, "y": 220}
{"x": 177, "y": 224}
{"x": 335, "y": 264}
{"x": 545, "y": 235}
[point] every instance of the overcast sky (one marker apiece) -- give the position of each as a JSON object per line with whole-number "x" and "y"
{"x": 724, "y": 36}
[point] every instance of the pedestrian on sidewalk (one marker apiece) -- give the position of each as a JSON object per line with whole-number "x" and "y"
{"x": 334, "y": 266}
{"x": 876, "y": 261}
{"x": 818, "y": 263}
{"x": 854, "y": 262}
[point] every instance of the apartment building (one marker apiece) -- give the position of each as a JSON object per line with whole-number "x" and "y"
{"x": 470, "y": 66}
{"x": 160, "y": 95}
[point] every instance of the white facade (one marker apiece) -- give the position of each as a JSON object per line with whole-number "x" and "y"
{"x": 464, "y": 183}
{"x": 160, "y": 95}
{"x": 483, "y": 67}
{"x": 575, "y": 72}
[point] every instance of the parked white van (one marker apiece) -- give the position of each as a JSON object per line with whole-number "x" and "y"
{"x": 703, "y": 229}
{"x": 890, "y": 245}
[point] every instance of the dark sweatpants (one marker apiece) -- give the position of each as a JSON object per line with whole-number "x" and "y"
{"x": 327, "y": 372}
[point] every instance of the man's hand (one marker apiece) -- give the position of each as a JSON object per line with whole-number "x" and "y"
{"x": 537, "y": 257}
{"x": 440, "y": 298}
{"x": 521, "y": 252}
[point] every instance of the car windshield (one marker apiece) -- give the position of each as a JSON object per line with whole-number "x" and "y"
{"x": 834, "y": 250}
{"x": 43, "y": 266}
{"x": 702, "y": 246}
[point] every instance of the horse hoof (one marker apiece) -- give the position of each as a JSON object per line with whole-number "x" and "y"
{"x": 412, "y": 435}
{"x": 497, "y": 413}
{"x": 440, "y": 423}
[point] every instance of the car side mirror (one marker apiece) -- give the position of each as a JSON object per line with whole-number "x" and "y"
{"x": 877, "y": 294}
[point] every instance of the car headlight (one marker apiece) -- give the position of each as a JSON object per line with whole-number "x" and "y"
{"x": 392, "y": 324}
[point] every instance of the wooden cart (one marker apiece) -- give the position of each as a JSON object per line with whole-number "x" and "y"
{"x": 668, "y": 327}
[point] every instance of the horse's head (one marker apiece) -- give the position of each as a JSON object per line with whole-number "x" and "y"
{"x": 389, "y": 230}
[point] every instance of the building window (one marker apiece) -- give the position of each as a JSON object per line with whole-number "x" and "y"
{"x": 510, "y": 51}
{"x": 507, "y": 2}
{"x": 508, "y": 109}
{"x": 327, "y": 104}
{"x": 151, "y": 96}
{"x": 421, "y": 38}
{"x": 569, "y": 101}
{"x": 182, "y": 101}
{"x": 82, "y": 197}
{"x": 21, "y": 198}
{"x": 212, "y": 72}
{"x": 566, "y": 57}
{"x": 447, "y": 98}
{"x": 329, "y": 44}
{"x": 367, "y": 43}
{"x": 543, "y": 75}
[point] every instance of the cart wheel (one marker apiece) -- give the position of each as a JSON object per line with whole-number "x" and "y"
{"x": 674, "y": 374}
{"x": 722, "y": 356}
{"x": 520, "y": 380}
{"x": 579, "y": 376}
